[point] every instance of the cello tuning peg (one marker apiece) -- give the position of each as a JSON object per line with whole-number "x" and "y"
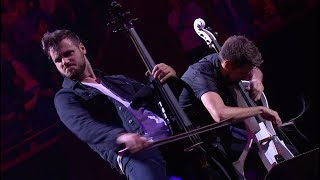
{"x": 216, "y": 33}
{"x": 131, "y": 21}
{"x": 115, "y": 3}
{"x": 111, "y": 23}
{"x": 208, "y": 28}
{"x": 117, "y": 29}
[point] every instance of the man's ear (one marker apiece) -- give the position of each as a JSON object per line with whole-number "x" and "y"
{"x": 227, "y": 65}
{"x": 82, "y": 48}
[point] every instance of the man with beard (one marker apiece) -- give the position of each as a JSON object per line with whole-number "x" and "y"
{"x": 98, "y": 109}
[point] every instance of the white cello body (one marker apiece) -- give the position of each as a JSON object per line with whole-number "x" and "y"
{"x": 270, "y": 147}
{"x": 262, "y": 133}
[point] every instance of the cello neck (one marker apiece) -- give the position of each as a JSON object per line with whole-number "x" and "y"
{"x": 122, "y": 22}
{"x": 248, "y": 100}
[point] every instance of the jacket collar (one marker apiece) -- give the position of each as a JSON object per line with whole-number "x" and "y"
{"x": 69, "y": 83}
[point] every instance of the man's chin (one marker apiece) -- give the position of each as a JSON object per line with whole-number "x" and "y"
{"x": 73, "y": 73}
{"x": 70, "y": 75}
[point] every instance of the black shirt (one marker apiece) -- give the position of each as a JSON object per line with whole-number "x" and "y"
{"x": 205, "y": 76}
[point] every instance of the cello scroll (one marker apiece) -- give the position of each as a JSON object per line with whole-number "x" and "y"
{"x": 206, "y": 35}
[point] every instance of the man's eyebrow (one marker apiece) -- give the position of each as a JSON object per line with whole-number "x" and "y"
{"x": 68, "y": 51}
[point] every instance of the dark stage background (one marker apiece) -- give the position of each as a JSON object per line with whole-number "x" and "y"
{"x": 285, "y": 31}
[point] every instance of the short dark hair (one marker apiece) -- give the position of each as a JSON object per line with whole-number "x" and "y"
{"x": 52, "y": 39}
{"x": 240, "y": 51}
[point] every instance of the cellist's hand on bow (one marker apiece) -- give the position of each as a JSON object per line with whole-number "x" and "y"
{"x": 133, "y": 142}
{"x": 271, "y": 115}
{"x": 162, "y": 72}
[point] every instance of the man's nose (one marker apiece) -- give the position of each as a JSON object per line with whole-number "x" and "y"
{"x": 65, "y": 61}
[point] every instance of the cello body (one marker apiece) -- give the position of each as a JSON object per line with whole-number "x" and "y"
{"x": 272, "y": 150}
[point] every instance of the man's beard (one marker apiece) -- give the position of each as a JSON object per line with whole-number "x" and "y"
{"x": 77, "y": 73}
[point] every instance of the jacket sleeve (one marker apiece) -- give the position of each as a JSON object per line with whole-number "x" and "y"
{"x": 101, "y": 136}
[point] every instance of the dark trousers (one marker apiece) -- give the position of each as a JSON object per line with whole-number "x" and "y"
{"x": 146, "y": 165}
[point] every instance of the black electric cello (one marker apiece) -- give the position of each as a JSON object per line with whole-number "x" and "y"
{"x": 205, "y": 152}
{"x": 272, "y": 150}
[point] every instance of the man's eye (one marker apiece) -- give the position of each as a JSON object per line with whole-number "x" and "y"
{"x": 59, "y": 59}
{"x": 69, "y": 53}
